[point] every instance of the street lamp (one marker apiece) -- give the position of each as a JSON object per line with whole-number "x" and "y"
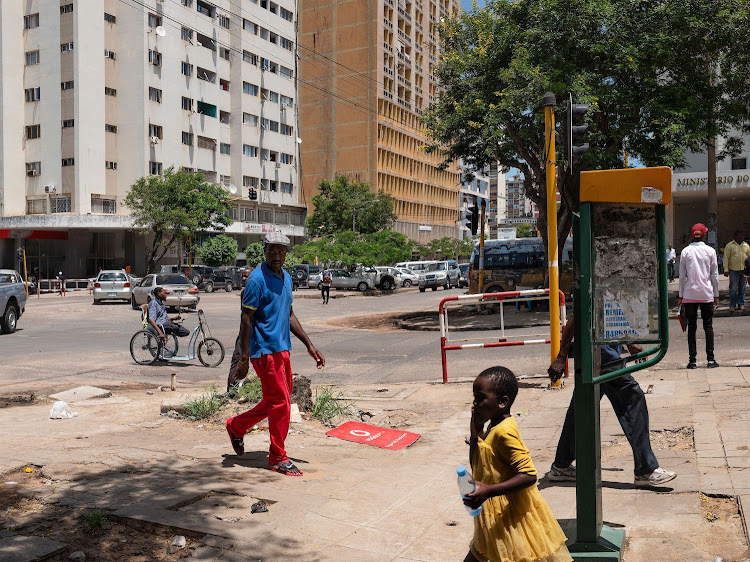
{"x": 354, "y": 210}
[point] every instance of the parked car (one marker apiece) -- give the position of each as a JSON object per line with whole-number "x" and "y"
{"x": 408, "y": 277}
{"x": 302, "y": 273}
{"x": 295, "y": 281}
{"x": 439, "y": 274}
{"x": 12, "y": 299}
{"x": 463, "y": 279}
{"x": 234, "y": 273}
{"x": 390, "y": 278}
{"x": 111, "y": 284}
{"x": 342, "y": 279}
{"x": 180, "y": 291}
{"x": 214, "y": 278}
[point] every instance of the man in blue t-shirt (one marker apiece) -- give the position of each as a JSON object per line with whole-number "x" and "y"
{"x": 267, "y": 320}
{"x": 629, "y": 404}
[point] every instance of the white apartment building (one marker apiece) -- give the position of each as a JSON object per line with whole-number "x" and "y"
{"x": 474, "y": 191}
{"x": 498, "y": 206}
{"x": 97, "y": 93}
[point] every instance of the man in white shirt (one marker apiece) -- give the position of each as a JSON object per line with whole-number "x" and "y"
{"x": 671, "y": 259}
{"x": 699, "y": 288}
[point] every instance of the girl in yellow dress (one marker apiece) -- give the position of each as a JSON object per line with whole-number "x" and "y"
{"x": 515, "y": 524}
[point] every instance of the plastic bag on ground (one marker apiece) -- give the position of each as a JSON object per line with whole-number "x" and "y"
{"x": 61, "y": 411}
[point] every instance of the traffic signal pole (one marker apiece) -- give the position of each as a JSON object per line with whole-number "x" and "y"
{"x": 481, "y": 249}
{"x": 554, "y": 277}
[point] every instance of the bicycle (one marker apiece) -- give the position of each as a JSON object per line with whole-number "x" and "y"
{"x": 146, "y": 348}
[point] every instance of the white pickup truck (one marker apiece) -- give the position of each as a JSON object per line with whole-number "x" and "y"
{"x": 12, "y": 299}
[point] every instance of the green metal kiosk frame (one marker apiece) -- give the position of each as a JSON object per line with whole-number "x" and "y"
{"x": 612, "y": 200}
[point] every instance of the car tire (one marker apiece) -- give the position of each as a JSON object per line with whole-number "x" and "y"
{"x": 447, "y": 285}
{"x": 433, "y": 288}
{"x": 97, "y": 301}
{"x": 133, "y": 303}
{"x": 422, "y": 289}
{"x": 196, "y": 279}
{"x": 387, "y": 284}
{"x": 209, "y": 288}
{"x": 407, "y": 283}
{"x": 362, "y": 286}
{"x": 228, "y": 287}
{"x": 9, "y": 320}
{"x": 300, "y": 274}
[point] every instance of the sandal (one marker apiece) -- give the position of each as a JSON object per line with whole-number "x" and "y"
{"x": 238, "y": 443}
{"x": 286, "y": 468}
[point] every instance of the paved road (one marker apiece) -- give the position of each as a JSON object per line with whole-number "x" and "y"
{"x": 65, "y": 341}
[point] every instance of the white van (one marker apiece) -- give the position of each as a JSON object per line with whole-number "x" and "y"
{"x": 415, "y": 265}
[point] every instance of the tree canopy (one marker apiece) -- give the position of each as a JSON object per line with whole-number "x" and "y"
{"x": 446, "y": 248}
{"x": 218, "y": 250}
{"x": 173, "y": 206}
{"x": 662, "y": 77}
{"x": 254, "y": 254}
{"x": 524, "y": 230}
{"x": 347, "y": 248}
{"x": 337, "y": 202}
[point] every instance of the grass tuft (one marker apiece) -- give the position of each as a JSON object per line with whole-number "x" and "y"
{"x": 251, "y": 389}
{"x": 96, "y": 518}
{"x": 206, "y": 405}
{"x": 328, "y": 404}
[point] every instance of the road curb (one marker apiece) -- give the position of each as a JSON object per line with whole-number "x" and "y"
{"x": 744, "y": 505}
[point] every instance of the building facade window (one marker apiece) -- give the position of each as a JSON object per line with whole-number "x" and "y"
{"x": 36, "y": 206}
{"x": 154, "y": 168}
{"x": 33, "y": 132}
{"x": 66, "y": 85}
{"x": 60, "y": 204}
{"x": 154, "y": 57}
{"x": 187, "y": 34}
{"x": 224, "y": 148}
{"x": 207, "y": 143}
{"x": 250, "y": 119}
{"x": 110, "y": 91}
{"x": 286, "y": 187}
{"x": 187, "y": 138}
{"x": 110, "y": 128}
{"x": 32, "y": 94}
{"x": 739, "y": 163}
{"x": 286, "y": 100}
{"x": 223, "y": 21}
{"x": 187, "y": 3}
{"x": 68, "y": 161}
{"x": 109, "y": 54}
{"x": 109, "y": 165}
{"x": 155, "y": 131}
{"x": 286, "y": 14}
{"x": 251, "y": 151}
{"x": 250, "y": 181}
{"x": 109, "y": 18}
{"x": 248, "y": 88}
{"x": 187, "y": 69}
{"x": 32, "y": 58}
{"x": 224, "y": 53}
{"x": 252, "y": 58}
{"x": 287, "y": 130}
{"x": 154, "y": 94}
{"x": 66, "y": 9}
{"x": 33, "y": 168}
{"x": 68, "y": 123}
{"x": 187, "y": 104}
{"x": 104, "y": 206}
{"x": 65, "y": 47}
{"x": 286, "y": 158}
{"x": 264, "y": 215}
{"x": 153, "y": 20}
{"x": 31, "y": 21}
{"x": 247, "y": 25}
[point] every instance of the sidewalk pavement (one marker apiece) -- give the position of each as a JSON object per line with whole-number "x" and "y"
{"x": 357, "y": 502}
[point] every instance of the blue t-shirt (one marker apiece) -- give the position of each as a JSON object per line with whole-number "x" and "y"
{"x": 270, "y": 296}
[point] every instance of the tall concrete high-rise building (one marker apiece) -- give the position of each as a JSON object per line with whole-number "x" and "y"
{"x": 367, "y": 69}
{"x": 97, "y": 93}
{"x": 497, "y": 210}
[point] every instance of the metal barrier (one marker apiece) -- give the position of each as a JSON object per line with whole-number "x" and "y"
{"x": 512, "y": 296}
{"x": 48, "y": 286}
{"x": 76, "y": 285}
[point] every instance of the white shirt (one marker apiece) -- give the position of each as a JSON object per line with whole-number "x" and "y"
{"x": 671, "y": 254}
{"x": 699, "y": 273}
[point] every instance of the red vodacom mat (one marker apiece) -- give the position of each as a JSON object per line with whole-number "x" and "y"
{"x": 393, "y": 439}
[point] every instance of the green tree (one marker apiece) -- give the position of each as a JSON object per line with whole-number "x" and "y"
{"x": 447, "y": 248}
{"x": 254, "y": 254}
{"x": 218, "y": 250}
{"x": 174, "y": 206}
{"x": 524, "y": 230}
{"x": 347, "y": 249}
{"x": 343, "y": 199}
{"x": 643, "y": 65}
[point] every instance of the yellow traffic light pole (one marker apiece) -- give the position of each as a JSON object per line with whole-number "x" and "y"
{"x": 554, "y": 277}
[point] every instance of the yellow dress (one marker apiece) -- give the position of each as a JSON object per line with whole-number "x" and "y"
{"x": 517, "y": 527}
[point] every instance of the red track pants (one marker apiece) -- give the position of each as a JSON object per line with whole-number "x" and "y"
{"x": 275, "y": 373}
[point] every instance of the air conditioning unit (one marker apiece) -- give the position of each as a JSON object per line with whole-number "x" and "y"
{"x": 32, "y": 173}
{"x": 278, "y": 164}
{"x": 50, "y": 189}
{"x": 154, "y": 140}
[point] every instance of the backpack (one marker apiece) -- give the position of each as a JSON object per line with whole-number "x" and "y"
{"x": 327, "y": 278}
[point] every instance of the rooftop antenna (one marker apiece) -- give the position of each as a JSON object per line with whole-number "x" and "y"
{"x": 233, "y": 189}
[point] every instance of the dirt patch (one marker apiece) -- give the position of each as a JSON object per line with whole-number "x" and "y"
{"x": 374, "y": 322}
{"x": 680, "y": 438}
{"x": 25, "y": 510}
{"x": 6, "y": 401}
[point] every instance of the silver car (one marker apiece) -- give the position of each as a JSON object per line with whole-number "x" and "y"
{"x": 408, "y": 277}
{"x": 439, "y": 274}
{"x": 180, "y": 291}
{"x": 341, "y": 279}
{"x": 112, "y": 284}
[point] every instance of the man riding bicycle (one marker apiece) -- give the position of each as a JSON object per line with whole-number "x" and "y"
{"x": 157, "y": 317}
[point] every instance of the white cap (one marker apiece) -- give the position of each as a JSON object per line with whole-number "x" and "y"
{"x": 276, "y": 238}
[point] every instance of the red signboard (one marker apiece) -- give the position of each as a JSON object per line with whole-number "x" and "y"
{"x": 393, "y": 439}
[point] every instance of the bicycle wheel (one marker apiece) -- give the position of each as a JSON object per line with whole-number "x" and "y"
{"x": 144, "y": 347}
{"x": 170, "y": 347}
{"x": 210, "y": 352}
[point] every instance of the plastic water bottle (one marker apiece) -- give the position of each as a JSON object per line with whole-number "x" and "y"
{"x": 466, "y": 486}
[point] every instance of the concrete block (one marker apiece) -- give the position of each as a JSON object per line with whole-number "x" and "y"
{"x": 81, "y": 393}
{"x": 295, "y": 416}
{"x": 20, "y": 548}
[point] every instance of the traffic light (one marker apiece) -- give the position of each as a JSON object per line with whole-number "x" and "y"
{"x": 19, "y": 251}
{"x": 253, "y": 194}
{"x": 472, "y": 218}
{"x": 572, "y": 133}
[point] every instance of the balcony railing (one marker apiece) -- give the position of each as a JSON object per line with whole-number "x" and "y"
{"x": 388, "y": 47}
{"x": 388, "y": 94}
{"x": 388, "y": 23}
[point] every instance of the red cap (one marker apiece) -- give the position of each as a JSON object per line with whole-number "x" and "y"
{"x": 699, "y": 230}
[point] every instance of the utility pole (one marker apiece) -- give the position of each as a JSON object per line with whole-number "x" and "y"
{"x": 554, "y": 277}
{"x": 481, "y": 248}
